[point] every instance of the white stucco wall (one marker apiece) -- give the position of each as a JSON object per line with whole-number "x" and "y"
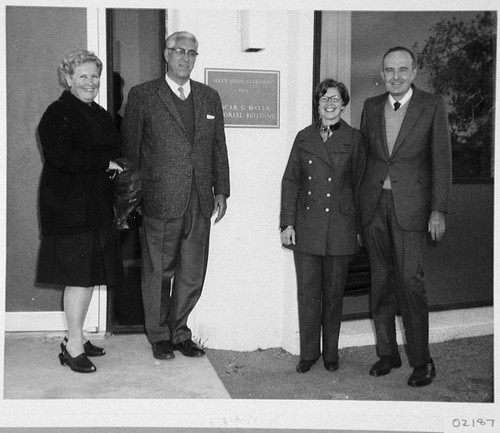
{"x": 249, "y": 299}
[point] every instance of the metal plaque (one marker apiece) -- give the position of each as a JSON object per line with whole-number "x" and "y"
{"x": 250, "y": 98}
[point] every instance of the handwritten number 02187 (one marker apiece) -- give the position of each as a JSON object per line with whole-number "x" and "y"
{"x": 479, "y": 422}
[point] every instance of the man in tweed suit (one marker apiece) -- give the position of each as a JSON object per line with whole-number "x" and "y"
{"x": 173, "y": 131}
{"x": 404, "y": 193}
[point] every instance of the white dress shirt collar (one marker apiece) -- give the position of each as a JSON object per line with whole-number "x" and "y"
{"x": 404, "y": 100}
{"x": 175, "y": 87}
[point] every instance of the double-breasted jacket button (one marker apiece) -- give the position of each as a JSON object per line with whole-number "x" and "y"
{"x": 310, "y": 161}
{"x": 329, "y": 179}
{"x": 307, "y": 207}
{"x": 309, "y": 192}
{"x": 309, "y": 177}
{"x": 328, "y": 194}
{"x": 327, "y": 210}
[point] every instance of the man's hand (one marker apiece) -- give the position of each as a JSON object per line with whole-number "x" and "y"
{"x": 220, "y": 207}
{"x": 437, "y": 225}
{"x": 288, "y": 236}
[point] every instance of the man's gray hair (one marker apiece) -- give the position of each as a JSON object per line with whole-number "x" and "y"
{"x": 174, "y": 37}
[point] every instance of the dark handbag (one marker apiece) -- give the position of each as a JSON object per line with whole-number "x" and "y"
{"x": 127, "y": 196}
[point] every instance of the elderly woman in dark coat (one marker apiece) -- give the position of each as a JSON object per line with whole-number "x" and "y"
{"x": 319, "y": 221}
{"x": 80, "y": 245}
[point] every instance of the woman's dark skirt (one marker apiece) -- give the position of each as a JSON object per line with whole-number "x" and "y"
{"x": 82, "y": 259}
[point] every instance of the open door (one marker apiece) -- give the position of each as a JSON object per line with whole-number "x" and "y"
{"x": 135, "y": 43}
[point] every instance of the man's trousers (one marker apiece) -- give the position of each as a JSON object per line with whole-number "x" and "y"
{"x": 174, "y": 264}
{"x": 397, "y": 283}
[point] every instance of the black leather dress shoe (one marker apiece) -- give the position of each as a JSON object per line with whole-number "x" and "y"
{"x": 163, "y": 350}
{"x": 423, "y": 375}
{"x": 304, "y": 365}
{"x": 189, "y": 348}
{"x": 385, "y": 364}
{"x": 331, "y": 366}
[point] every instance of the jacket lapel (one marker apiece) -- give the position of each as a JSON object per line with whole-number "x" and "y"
{"x": 415, "y": 108}
{"x": 314, "y": 144}
{"x": 379, "y": 114}
{"x": 167, "y": 99}
{"x": 341, "y": 139}
{"x": 198, "y": 103}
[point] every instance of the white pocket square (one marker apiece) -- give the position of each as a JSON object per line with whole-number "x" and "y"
{"x": 209, "y": 116}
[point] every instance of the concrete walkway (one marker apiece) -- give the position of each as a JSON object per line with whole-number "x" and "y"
{"x": 32, "y": 369}
{"x": 128, "y": 370}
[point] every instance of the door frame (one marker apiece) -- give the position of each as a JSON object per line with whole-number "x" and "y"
{"x": 96, "y": 320}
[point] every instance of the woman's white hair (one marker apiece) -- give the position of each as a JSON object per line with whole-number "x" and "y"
{"x": 74, "y": 59}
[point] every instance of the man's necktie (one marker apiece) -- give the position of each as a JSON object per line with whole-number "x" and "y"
{"x": 181, "y": 93}
{"x": 397, "y": 105}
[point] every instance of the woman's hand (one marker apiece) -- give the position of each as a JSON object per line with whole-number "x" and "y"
{"x": 288, "y": 236}
{"x": 113, "y": 165}
{"x": 113, "y": 169}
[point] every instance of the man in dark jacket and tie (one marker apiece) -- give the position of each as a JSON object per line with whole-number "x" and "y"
{"x": 404, "y": 193}
{"x": 173, "y": 131}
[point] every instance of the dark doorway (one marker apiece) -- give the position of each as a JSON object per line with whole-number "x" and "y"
{"x": 135, "y": 55}
{"x": 358, "y": 279}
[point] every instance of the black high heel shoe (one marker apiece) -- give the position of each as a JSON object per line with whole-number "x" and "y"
{"x": 80, "y": 363}
{"x": 90, "y": 349}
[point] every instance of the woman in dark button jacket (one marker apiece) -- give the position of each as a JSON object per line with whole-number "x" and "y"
{"x": 80, "y": 246}
{"x": 319, "y": 221}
